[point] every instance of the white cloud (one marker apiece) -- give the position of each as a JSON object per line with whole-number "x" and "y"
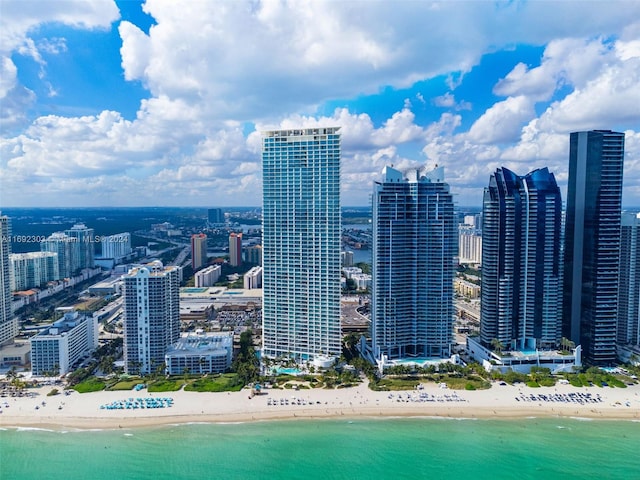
{"x": 570, "y": 61}
{"x": 18, "y": 19}
{"x": 269, "y": 58}
{"x": 503, "y": 121}
{"x": 448, "y": 101}
{"x": 212, "y": 68}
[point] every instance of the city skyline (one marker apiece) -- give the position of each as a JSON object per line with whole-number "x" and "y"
{"x": 96, "y": 95}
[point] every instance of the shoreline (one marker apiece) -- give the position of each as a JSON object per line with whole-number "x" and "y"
{"x": 83, "y": 412}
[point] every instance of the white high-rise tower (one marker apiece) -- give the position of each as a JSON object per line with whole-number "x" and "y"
{"x": 151, "y": 315}
{"x": 301, "y": 243}
{"x": 8, "y": 324}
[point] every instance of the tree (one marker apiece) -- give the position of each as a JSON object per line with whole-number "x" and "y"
{"x": 567, "y": 345}
{"x": 246, "y": 364}
{"x": 497, "y": 345}
{"x": 349, "y": 343}
{"x": 351, "y": 285}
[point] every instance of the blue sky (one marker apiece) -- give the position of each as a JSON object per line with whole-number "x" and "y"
{"x": 161, "y": 103}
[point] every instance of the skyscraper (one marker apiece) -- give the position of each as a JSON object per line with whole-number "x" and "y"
{"x": 8, "y": 324}
{"x": 592, "y": 243}
{"x": 253, "y": 255}
{"x": 414, "y": 244}
{"x": 521, "y": 262}
{"x": 301, "y": 243}
{"x": 68, "y": 252}
{"x": 215, "y": 216}
{"x": 116, "y": 246}
{"x": 84, "y": 240}
{"x": 469, "y": 245}
{"x": 235, "y": 249}
{"x": 629, "y": 286}
{"x": 151, "y": 315}
{"x": 198, "y": 251}
{"x": 33, "y": 269}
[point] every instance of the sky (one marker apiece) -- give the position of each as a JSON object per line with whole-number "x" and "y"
{"x": 161, "y": 103}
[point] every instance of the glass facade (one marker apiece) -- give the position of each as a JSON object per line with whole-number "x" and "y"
{"x": 629, "y": 286}
{"x": 414, "y": 244}
{"x": 8, "y": 324}
{"x": 521, "y": 261}
{"x": 301, "y": 243}
{"x": 592, "y": 243}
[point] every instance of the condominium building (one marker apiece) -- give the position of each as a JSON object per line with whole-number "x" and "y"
{"x": 521, "y": 300}
{"x": 85, "y": 244}
{"x": 235, "y": 249}
{"x": 200, "y": 353}
{"x": 33, "y": 269}
{"x": 629, "y": 284}
{"x": 301, "y": 243}
{"x": 198, "y": 251}
{"x": 361, "y": 281}
{"x": 215, "y": 216}
{"x": 473, "y": 221}
{"x": 592, "y": 243}
{"x": 8, "y": 324}
{"x": 469, "y": 245}
{"x": 57, "y": 348}
{"x": 151, "y": 315}
{"x": 207, "y": 277}
{"x": 116, "y": 246}
{"x": 68, "y": 252}
{"x": 414, "y": 244}
{"x": 346, "y": 258}
{"x": 253, "y": 255}
{"x": 253, "y": 278}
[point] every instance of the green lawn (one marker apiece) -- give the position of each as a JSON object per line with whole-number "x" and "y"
{"x": 398, "y": 383}
{"x": 91, "y": 384}
{"x": 164, "y": 385}
{"x": 228, "y": 382}
{"x": 471, "y": 382}
{"x": 126, "y": 384}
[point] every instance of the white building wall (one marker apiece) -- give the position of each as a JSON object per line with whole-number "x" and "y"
{"x": 208, "y": 277}
{"x": 253, "y": 278}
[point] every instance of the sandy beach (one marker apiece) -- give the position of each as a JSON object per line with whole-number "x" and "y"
{"x": 83, "y": 411}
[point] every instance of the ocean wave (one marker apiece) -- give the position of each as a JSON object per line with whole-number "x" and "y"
{"x": 34, "y": 429}
{"x": 582, "y": 419}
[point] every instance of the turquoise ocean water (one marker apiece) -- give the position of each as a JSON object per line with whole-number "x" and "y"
{"x": 407, "y": 448}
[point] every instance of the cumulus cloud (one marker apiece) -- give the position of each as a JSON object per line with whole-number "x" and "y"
{"x": 215, "y": 69}
{"x": 502, "y": 122}
{"x": 17, "y": 20}
{"x": 569, "y": 61}
{"x": 448, "y": 101}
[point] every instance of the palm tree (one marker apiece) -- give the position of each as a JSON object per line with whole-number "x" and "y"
{"x": 12, "y": 374}
{"x": 497, "y": 345}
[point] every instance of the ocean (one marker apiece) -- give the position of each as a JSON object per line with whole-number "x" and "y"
{"x": 406, "y": 448}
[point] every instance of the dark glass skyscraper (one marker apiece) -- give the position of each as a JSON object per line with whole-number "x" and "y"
{"x": 629, "y": 289}
{"x": 521, "y": 261}
{"x": 592, "y": 243}
{"x": 414, "y": 242}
